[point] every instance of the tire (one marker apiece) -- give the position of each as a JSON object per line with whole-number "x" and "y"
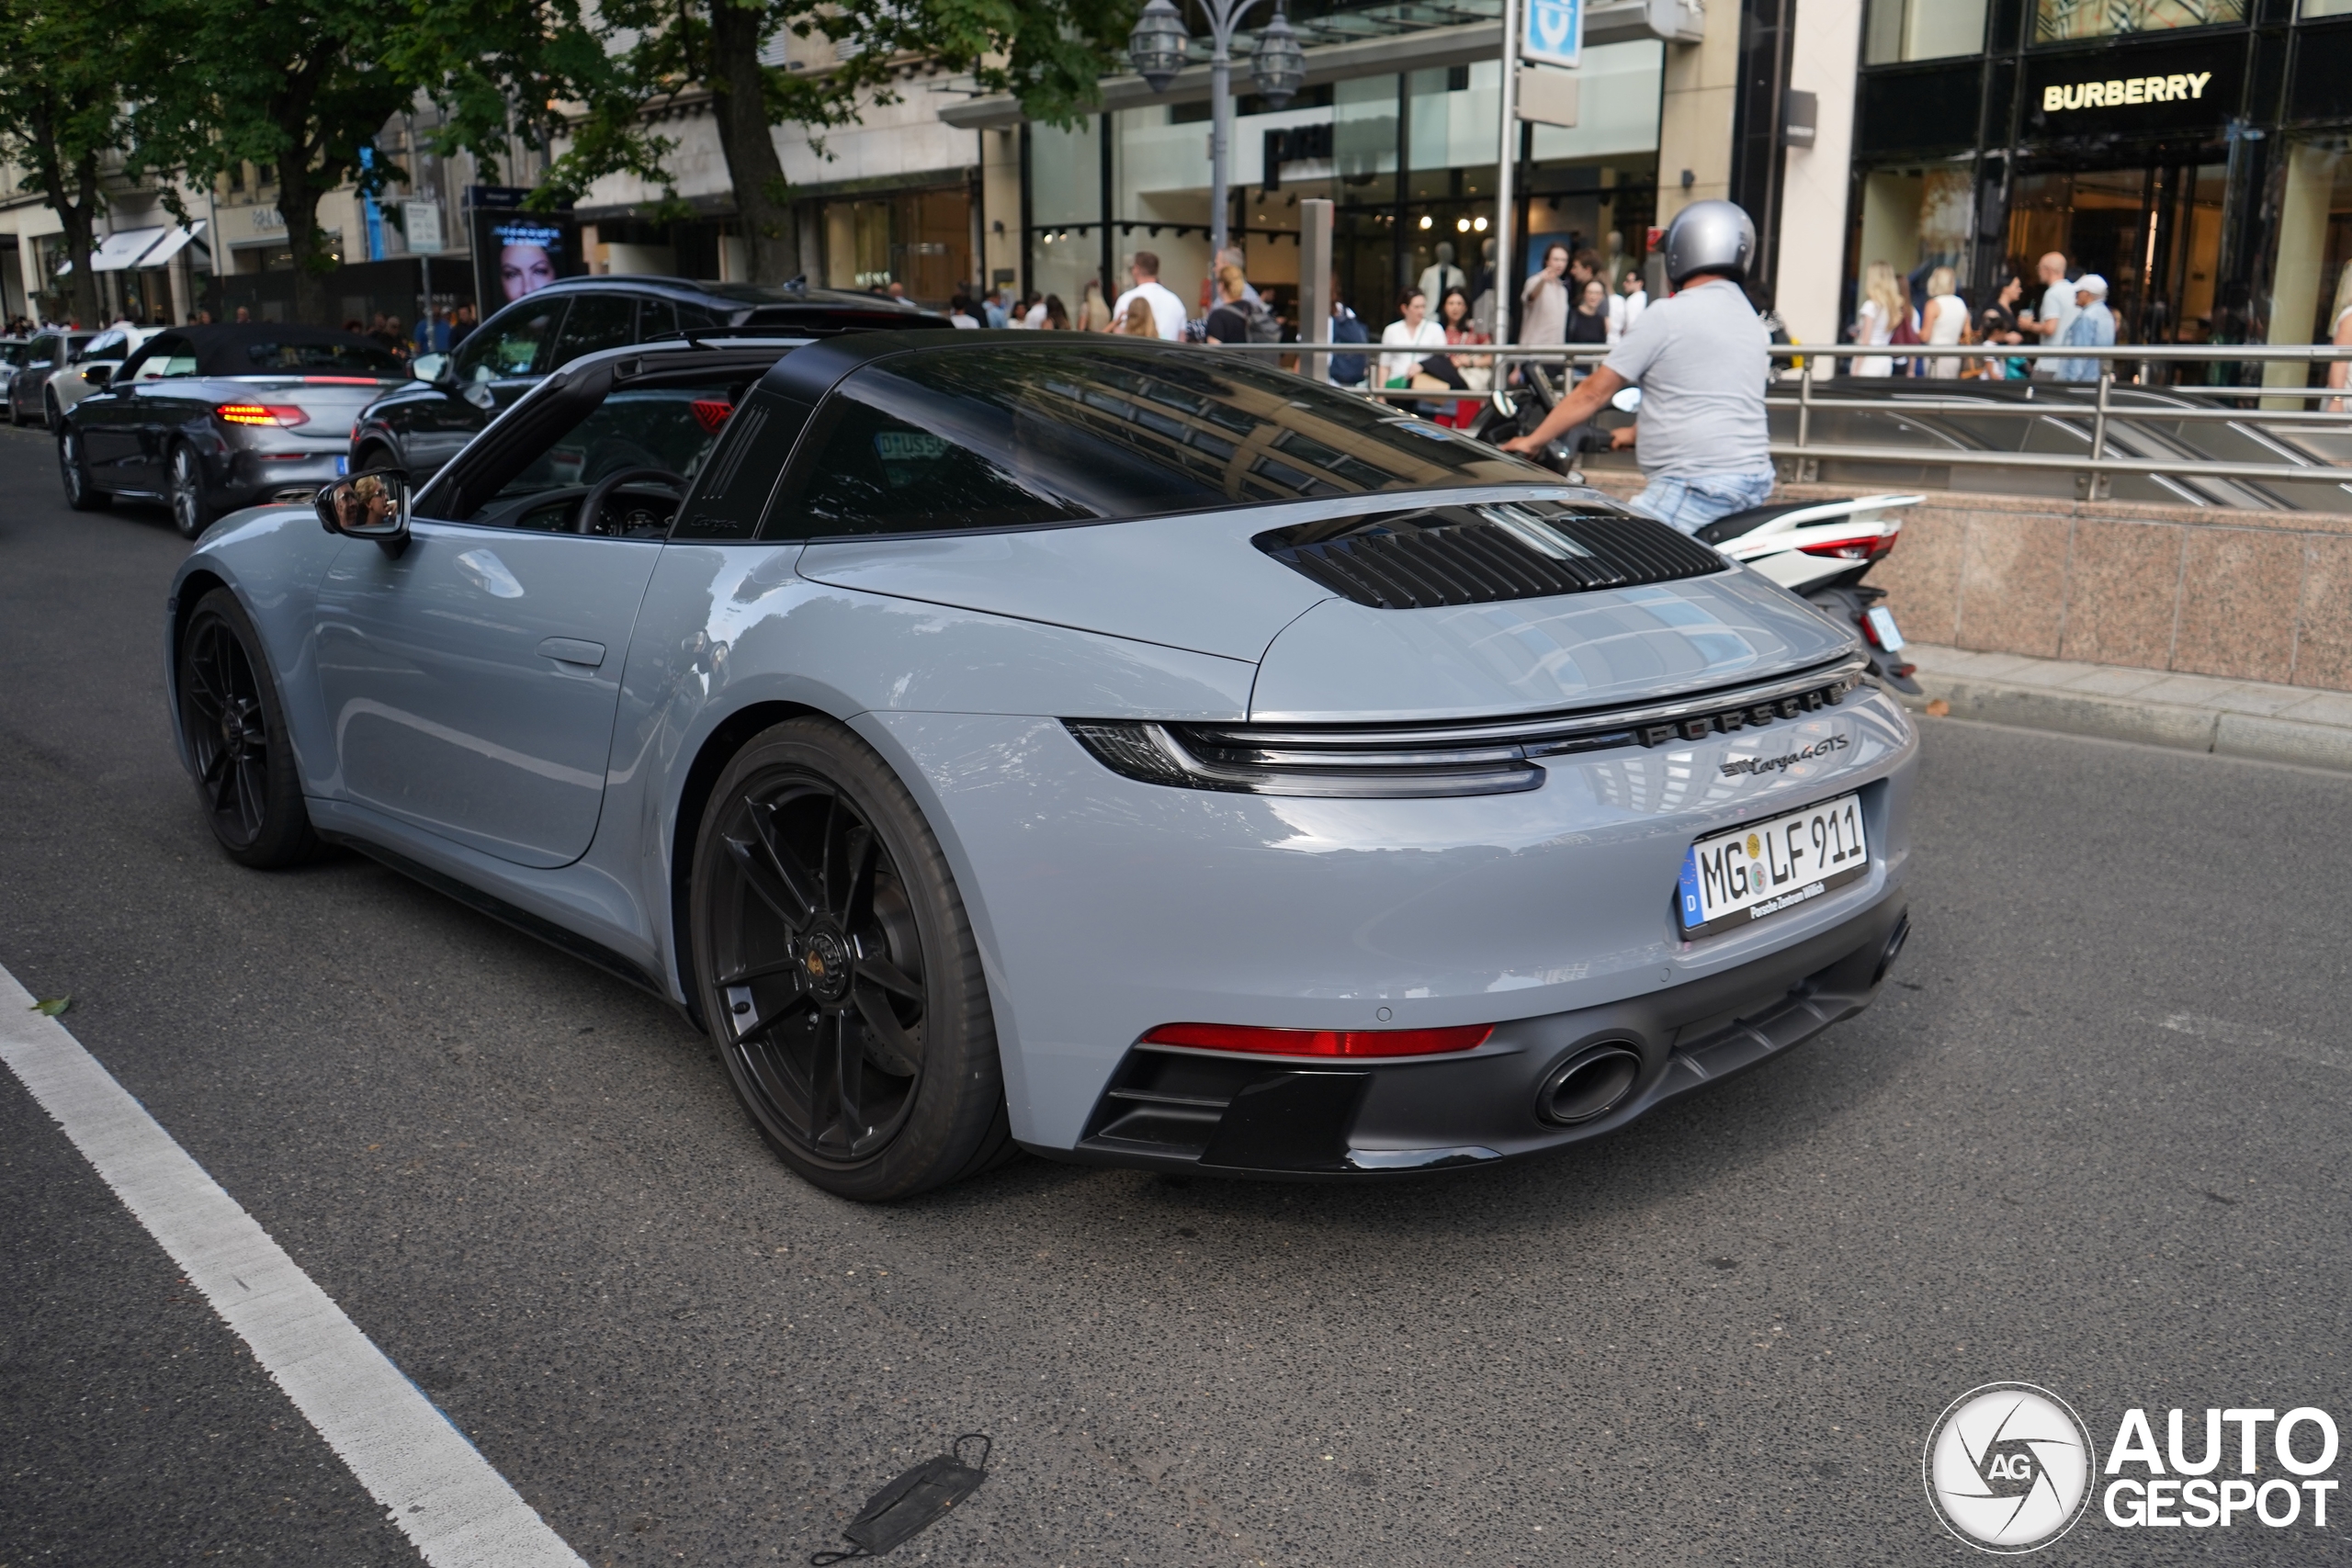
{"x": 51, "y": 415}
{"x": 376, "y": 457}
{"x": 82, "y": 492}
{"x": 837, "y": 967}
{"x": 235, "y": 728}
{"x": 192, "y": 509}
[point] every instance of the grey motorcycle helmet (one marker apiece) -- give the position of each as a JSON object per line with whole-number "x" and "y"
{"x": 1709, "y": 236}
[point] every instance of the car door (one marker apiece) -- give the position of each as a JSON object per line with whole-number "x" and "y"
{"x": 118, "y": 424}
{"x": 499, "y": 361}
{"x": 471, "y": 680}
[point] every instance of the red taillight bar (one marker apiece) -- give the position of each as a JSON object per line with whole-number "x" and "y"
{"x": 285, "y": 415}
{"x": 1321, "y": 1041}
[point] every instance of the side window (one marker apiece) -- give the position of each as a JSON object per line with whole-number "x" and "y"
{"x": 671, "y": 428}
{"x": 105, "y": 345}
{"x": 514, "y": 344}
{"x": 874, "y": 465}
{"x": 153, "y": 361}
{"x": 594, "y": 321}
{"x": 656, "y": 318}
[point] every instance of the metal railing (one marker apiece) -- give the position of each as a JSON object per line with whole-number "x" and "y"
{"x": 1799, "y": 381}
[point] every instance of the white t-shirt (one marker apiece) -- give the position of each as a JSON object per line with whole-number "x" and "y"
{"x": 1166, "y": 310}
{"x": 958, "y": 319}
{"x": 1625, "y": 310}
{"x": 1034, "y": 321}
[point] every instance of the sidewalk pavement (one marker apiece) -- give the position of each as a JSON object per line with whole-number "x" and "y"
{"x": 2195, "y": 713}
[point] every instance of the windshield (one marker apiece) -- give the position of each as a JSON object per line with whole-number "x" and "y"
{"x": 323, "y": 358}
{"x": 1017, "y": 436}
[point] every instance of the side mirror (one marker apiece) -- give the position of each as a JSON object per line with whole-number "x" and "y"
{"x": 1627, "y": 401}
{"x": 430, "y": 368}
{"x": 373, "y": 505}
{"x": 97, "y": 375}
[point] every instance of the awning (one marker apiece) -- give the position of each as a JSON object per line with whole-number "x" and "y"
{"x": 175, "y": 242}
{"x": 121, "y": 251}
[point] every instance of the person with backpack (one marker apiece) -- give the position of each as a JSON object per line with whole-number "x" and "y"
{"x": 1238, "y": 317}
{"x": 1347, "y": 369}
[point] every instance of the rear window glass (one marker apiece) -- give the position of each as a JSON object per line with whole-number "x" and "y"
{"x": 1020, "y": 436}
{"x": 323, "y": 358}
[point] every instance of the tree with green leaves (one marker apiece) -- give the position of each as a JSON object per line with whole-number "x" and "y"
{"x": 667, "y": 54}
{"x": 61, "y": 116}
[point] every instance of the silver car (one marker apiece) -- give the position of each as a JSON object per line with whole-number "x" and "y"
{"x": 1121, "y": 750}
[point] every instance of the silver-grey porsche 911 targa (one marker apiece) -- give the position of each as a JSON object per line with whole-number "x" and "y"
{"x": 1127, "y": 751}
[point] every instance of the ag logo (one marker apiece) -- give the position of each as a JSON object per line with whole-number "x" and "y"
{"x": 2008, "y": 1467}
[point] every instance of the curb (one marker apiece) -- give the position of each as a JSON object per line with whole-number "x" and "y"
{"x": 2183, "y": 728}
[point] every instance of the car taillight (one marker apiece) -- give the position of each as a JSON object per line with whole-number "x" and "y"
{"x": 284, "y": 416}
{"x": 1321, "y": 1041}
{"x": 1869, "y": 548}
{"x": 711, "y": 414}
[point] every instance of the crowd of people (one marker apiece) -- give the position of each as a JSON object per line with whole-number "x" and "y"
{"x": 1930, "y": 311}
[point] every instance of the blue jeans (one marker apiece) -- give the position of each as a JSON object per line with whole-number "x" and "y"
{"x": 1692, "y": 501}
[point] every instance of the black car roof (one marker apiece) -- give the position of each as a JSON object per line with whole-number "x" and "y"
{"x": 222, "y": 350}
{"x": 747, "y": 303}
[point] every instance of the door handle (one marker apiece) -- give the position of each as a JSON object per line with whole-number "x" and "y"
{"x": 573, "y": 651}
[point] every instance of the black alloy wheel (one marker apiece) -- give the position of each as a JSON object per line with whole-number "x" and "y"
{"x": 235, "y": 730}
{"x": 191, "y": 508}
{"x": 51, "y": 416}
{"x": 82, "y": 493}
{"x": 837, "y": 971}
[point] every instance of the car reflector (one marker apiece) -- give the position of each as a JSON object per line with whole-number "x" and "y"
{"x": 285, "y": 415}
{"x": 1321, "y": 1041}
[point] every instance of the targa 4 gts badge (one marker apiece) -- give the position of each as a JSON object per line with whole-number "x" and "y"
{"x": 2008, "y": 1467}
{"x": 1829, "y": 745}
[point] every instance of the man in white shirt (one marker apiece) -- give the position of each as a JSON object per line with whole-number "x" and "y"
{"x": 2057, "y": 312}
{"x": 1625, "y": 307}
{"x": 1166, "y": 310}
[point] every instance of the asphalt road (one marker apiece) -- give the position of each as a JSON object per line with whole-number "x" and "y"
{"x": 2093, "y": 1140}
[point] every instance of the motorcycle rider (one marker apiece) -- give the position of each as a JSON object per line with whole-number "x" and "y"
{"x": 1700, "y": 356}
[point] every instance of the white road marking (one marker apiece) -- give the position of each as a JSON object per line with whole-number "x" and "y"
{"x": 456, "y": 1509}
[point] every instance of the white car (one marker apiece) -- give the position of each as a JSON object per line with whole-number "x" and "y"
{"x": 93, "y": 367}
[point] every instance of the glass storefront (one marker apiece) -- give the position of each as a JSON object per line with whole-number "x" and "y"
{"x": 2193, "y": 152}
{"x": 1407, "y": 160}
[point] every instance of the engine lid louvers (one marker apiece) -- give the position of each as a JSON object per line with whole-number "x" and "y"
{"x": 1480, "y": 555}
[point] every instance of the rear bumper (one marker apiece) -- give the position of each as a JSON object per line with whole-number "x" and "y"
{"x": 256, "y": 477}
{"x": 1209, "y": 1112}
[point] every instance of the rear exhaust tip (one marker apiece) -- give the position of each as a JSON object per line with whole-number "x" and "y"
{"x": 1592, "y": 1083}
{"x": 1893, "y": 948}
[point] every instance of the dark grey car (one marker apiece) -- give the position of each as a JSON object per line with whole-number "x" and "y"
{"x": 211, "y": 419}
{"x": 50, "y": 350}
{"x": 455, "y": 397}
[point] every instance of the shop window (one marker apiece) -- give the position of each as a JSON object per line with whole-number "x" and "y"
{"x": 1923, "y": 30}
{"x": 2312, "y": 9}
{"x": 2310, "y": 288}
{"x": 2154, "y": 233}
{"x": 2061, "y": 21}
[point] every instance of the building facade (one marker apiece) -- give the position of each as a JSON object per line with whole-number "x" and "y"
{"x": 2194, "y": 153}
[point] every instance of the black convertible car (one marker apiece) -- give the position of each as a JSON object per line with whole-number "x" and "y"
{"x": 426, "y": 424}
{"x": 210, "y": 419}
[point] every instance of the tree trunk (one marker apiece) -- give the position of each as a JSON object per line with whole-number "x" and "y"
{"x": 298, "y": 203}
{"x": 762, "y": 197}
{"x": 73, "y": 195}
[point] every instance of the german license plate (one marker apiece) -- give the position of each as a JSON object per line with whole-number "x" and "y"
{"x": 1733, "y": 878}
{"x": 1882, "y": 628}
{"x": 342, "y": 466}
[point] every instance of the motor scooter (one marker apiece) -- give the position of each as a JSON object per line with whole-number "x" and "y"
{"x": 1821, "y": 549}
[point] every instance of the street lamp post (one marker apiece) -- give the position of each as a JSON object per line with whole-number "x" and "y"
{"x": 1278, "y": 66}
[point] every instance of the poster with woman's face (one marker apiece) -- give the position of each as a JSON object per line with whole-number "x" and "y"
{"x": 519, "y": 253}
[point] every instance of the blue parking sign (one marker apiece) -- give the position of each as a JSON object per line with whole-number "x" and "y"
{"x": 1554, "y": 32}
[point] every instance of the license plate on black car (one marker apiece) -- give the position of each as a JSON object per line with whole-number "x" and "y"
{"x": 1734, "y": 878}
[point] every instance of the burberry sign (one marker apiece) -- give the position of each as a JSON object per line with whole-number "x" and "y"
{"x": 2177, "y": 87}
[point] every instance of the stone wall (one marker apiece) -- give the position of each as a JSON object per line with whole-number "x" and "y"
{"x": 2246, "y": 595}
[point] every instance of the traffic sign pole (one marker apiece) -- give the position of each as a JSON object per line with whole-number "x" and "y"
{"x": 1507, "y": 280}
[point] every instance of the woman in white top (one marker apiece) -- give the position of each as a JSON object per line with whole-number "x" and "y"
{"x": 2339, "y": 333}
{"x": 1945, "y": 322}
{"x": 1414, "y": 331}
{"x": 1883, "y": 305}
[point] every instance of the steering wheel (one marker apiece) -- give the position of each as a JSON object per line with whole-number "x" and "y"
{"x": 591, "y": 505}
